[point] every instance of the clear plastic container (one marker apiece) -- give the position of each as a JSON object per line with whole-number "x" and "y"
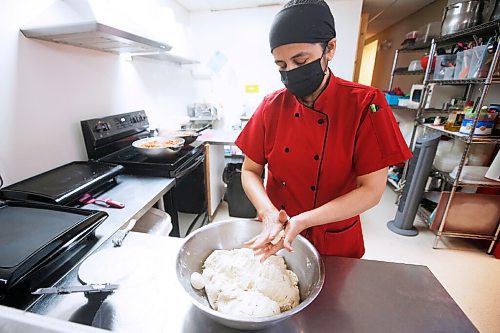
{"x": 458, "y": 65}
{"x": 466, "y": 62}
{"x": 428, "y": 31}
{"x": 478, "y": 60}
{"x": 442, "y": 62}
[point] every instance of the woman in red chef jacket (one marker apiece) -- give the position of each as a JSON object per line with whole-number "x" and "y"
{"x": 327, "y": 142}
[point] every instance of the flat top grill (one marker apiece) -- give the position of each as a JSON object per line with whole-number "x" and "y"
{"x": 35, "y": 240}
{"x": 64, "y": 184}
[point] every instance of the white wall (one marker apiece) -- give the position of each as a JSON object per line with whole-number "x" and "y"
{"x": 46, "y": 89}
{"x": 242, "y": 36}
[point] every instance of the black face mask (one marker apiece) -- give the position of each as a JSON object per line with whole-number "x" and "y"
{"x": 304, "y": 80}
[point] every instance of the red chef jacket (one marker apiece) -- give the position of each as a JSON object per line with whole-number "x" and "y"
{"x": 315, "y": 154}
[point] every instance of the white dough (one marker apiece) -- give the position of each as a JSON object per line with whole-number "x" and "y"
{"x": 197, "y": 280}
{"x": 237, "y": 283}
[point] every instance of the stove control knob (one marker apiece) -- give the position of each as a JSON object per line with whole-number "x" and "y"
{"x": 107, "y": 126}
{"x": 98, "y": 127}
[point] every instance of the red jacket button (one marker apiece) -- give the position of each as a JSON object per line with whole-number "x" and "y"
{"x": 321, "y": 121}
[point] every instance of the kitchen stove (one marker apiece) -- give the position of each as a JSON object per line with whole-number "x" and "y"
{"x": 109, "y": 139}
{"x": 138, "y": 164}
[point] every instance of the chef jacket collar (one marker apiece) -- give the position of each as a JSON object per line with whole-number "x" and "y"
{"x": 325, "y": 98}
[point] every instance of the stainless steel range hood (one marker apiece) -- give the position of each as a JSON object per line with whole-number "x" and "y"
{"x": 87, "y": 23}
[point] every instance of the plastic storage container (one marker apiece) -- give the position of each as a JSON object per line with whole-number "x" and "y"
{"x": 458, "y": 65}
{"x": 466, "y": 62}
{"x": 448, "y": 155}
{"x": 428, "y": 31}
{"x": 394, "y": 99}
{"x": 155, "y": 222}
{"x": 442, "y": 62}
{"x": 478, "y": 62}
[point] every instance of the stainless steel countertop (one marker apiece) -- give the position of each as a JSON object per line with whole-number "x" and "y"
{"x": 139, "y": 194}
{"x": 219, "y": 137}
{"x": 358, "y": 296}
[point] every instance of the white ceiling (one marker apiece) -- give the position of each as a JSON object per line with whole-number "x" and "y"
{"x": 391, "y": 15}
{"x": 214, "y": 5}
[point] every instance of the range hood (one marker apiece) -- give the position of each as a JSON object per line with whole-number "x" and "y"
{"x": 91, "y": 24}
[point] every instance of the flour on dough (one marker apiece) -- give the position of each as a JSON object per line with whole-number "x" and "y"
{"x": 237, "y": 283}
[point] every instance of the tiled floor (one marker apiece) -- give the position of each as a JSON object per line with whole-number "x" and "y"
{"x": 471, "y": 277}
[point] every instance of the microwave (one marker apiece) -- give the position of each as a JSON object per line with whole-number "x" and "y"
{"x": 438, "y": 95}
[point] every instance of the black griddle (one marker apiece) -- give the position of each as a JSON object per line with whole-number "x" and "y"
{"x": 35, "y": 236}
{"x": 64, "y": 184}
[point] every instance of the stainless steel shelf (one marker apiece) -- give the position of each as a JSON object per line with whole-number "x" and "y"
{"x": 463, "y": 82}
{"x": 415, "y": 48}
{"x": 463, "y": 137}
{"x": 431, "y": 110}
{"x": 487, "y": 28}
{"x": 467, "y": 183}
{"x": 405, "y": 71}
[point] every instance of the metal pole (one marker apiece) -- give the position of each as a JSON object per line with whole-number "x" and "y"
{"x": 420, "y": 111}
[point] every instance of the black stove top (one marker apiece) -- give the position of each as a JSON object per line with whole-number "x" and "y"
{"x": 136, "y": 163}
{"x": 109, "y": 139}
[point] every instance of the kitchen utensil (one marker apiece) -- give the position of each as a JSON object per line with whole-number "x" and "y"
{"x": 87, "y": 289}
{"x": 119, "y": 241}
{"x": 460, "y": 15}
{"x": 304, "y": 261}
{"x": 169, "y": 150}
{"x": 89, "y": 199}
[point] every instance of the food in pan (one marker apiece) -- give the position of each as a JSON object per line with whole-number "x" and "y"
{"x": 160, "y": 143}
{"x": 237, "y": 283}
{"x": 185, "y": 133}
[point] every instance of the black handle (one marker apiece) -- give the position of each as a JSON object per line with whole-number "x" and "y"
{"x": 203, "y": 128}
{"x": 197, "y": 162}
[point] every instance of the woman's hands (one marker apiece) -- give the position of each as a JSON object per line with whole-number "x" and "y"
{"x": 269, "y": 241}
{"x": 272, "y": 225}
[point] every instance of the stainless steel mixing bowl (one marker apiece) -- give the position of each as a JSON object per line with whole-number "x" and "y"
{"x": 304, "y": 261}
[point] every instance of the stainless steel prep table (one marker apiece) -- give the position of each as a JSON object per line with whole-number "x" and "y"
{"x": 139, "y": 194}
{"x": 358, "y": 296}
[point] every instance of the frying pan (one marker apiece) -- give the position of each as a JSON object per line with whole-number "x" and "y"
{"x": 160, "y": 152}
{"x": 190, "y": 136}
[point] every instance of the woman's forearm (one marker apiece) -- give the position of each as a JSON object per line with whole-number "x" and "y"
{"x": 256, "y": 193}
{"x": 359, "y": 200}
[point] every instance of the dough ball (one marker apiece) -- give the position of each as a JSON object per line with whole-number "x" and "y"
{"x": 197, "y": 281}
